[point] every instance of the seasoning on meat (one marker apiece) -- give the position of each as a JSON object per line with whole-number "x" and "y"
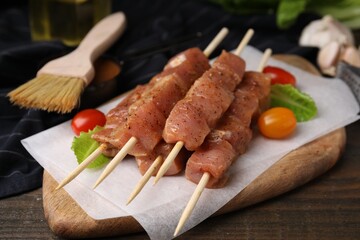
{"x": 232, "y": 134}
{"x": 187, "y": 64}
{"x": 115, "y": 117}
{"x": 193, "y": 117}
{"x": 146, "y": 117}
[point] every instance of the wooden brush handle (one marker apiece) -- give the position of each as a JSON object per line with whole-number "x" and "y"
{"x": 102, "y": 36}
{"x": 79, "y": 63}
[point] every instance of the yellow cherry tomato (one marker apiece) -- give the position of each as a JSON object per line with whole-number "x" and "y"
{"x": 277, "y": 123}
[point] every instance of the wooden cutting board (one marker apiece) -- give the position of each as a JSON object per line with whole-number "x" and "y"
{"x": 67, "y": 219}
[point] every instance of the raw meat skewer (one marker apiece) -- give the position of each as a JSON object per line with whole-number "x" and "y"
{"x": 192, "y": 118}
{"x": 151, "y": 132}
{"x": 154, "y": 167}
{"x": 207, "y": 176}
{"x": 121, "y": 154}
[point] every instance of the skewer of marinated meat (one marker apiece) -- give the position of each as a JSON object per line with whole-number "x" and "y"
{"x": 209, "y": 164}
{"x": 147, "y": 116}
{"x": 106, "y": 137}
{"x": 192, "y": 118}
{"x": 232, "y": 135}
{"x": 175, "y": 162}
{"x": 119, "y": 116}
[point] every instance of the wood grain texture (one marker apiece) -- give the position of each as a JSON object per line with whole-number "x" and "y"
{"x": 328, "y": 207}
{"x": 67, "y": 219}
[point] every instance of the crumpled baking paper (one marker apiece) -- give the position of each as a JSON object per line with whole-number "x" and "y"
{"x": 158, "y": 208}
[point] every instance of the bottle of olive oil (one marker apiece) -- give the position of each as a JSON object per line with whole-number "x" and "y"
{"x": 65, "y": 20}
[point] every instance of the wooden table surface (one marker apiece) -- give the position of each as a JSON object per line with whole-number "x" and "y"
{"x": 326, "y": 208}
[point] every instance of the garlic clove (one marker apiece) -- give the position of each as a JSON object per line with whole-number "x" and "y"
{"x": 340, "y": 32}
{"x": 328, "y": 55}
{"x": 351, "y": 56}
{"x": 309, "y": 34}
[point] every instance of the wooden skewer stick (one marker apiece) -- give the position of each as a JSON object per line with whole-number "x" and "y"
{"x": 206, "y": 176}
{"x": 264, "y": 60}
{"x": 209, "y": 49}
{"x": 192, "y": 202}
{"x": 169, "y": 160}
{"x": 244, "y": 42}
{"x": 127, "y": 147}
{"x": 82, "y": 166}
{"x": 145, "y": 178}
{"x": 216, "y": 41}
{"x": 116, "y": 160}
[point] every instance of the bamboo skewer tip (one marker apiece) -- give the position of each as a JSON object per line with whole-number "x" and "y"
{"x": 244, "y": 41}
{"x": 81, "y": 166}
{"x": 116, "y": 160}
{"x": 216, "y": 41}
{"x": 192, "y": 202}
{"x": 169, "y": 160}
{"x": 145, "y": 178}
{"x": 264, "y": 59}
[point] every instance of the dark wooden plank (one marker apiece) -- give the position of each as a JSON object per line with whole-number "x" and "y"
{"x": 22, "y": 217}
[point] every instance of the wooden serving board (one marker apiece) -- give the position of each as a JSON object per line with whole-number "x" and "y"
{"x": 67, "y": 219}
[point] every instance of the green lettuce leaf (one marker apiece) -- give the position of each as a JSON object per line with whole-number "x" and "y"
{"x": 285, "y": 95}
{"x": 288, "y": 11}
{"x": 84, "y": 145}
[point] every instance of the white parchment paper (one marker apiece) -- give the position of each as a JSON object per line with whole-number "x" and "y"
{"x": 158, "y": 208}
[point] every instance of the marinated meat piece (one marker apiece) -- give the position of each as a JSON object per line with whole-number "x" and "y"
{"x": 118, "y": 115}
{"x": 193, "y": 117}
{"x": 211, "y": 157}
{"x": 145, "y": 124}
{"x": 212, "y": 98}
{"x": 258, "y": 84}
{"x": 110, "y": 150}
{"x": 188, "y": 125}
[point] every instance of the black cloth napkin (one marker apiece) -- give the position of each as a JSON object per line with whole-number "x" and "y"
{"x": 156, "y": 31}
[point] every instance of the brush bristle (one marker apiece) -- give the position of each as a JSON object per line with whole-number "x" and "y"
{"x": 49, "y": 92}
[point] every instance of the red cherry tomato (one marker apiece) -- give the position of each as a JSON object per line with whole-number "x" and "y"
{"x": 279, "y": 76}
{"x": 277, "y": 123}
{"x": 86, "y": 120}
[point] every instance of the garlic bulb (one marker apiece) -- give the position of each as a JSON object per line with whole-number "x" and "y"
{"x": 321, "y": 32}
{"x": 335, "y": 42}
